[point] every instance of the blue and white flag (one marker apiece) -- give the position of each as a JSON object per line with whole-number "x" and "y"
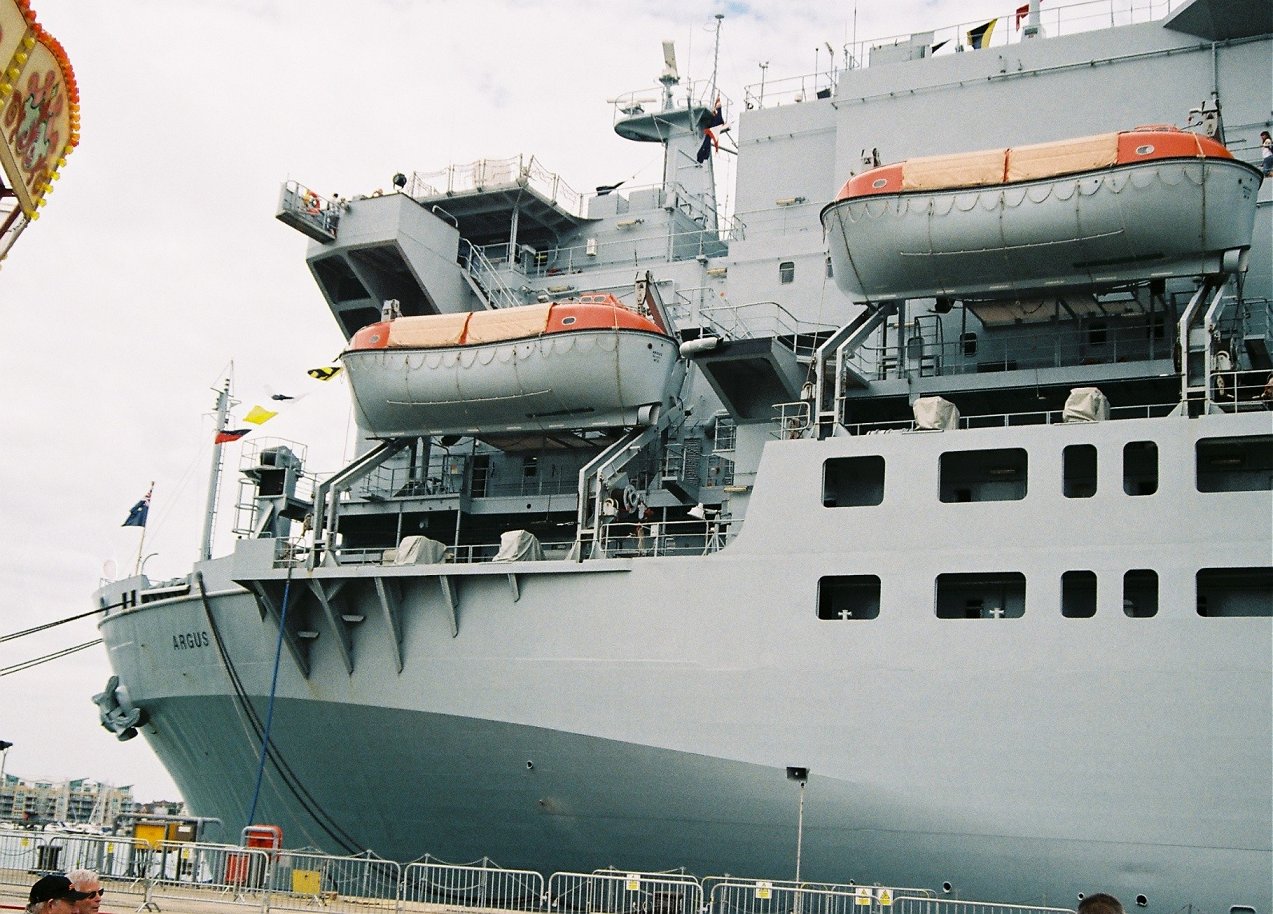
{"x": 137, "y": 514}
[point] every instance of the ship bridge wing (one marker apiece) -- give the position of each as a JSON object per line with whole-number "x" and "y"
{"x": 484, "y": 213}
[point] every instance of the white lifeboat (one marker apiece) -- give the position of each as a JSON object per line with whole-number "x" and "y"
{"x": 1090, "y": 212}
{"x": 581, "y": 364}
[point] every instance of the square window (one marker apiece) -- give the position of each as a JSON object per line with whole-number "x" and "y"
{"x": 847, "y": 597}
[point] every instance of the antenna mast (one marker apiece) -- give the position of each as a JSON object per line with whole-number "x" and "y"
{"x": 214, "y": 480}
{"x": 711, "y": 97}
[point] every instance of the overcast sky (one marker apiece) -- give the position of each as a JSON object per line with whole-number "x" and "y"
{"x": 157, "y": 261}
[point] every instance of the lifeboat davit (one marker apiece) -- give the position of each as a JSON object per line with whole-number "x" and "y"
{"x": 581, "y": 364}
{"x": 1090, "y": 212}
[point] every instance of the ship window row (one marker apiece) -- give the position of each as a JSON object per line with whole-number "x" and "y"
{"x": 1243, "y": 464}
{"x": 1219, "y": 592}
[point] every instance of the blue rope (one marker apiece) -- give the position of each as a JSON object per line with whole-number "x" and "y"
{"x": 269, "y": 713}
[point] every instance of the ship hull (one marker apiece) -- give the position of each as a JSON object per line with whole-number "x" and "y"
{"x": 659, "y": 701}
{"x": 1155, "y": 219}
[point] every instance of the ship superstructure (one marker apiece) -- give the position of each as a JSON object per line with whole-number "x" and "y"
{"x": 656, "y": 502}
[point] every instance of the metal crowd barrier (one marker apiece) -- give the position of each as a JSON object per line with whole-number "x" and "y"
{"x": 432, "y": 885}
{"x": 618, "y": 892}
{"x": 913, "y": 905}
{"x": 304, "y": 880}
{"x": 199, "y": 878}
{"x": 759, "y": 896}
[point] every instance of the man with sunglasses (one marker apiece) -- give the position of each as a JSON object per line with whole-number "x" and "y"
{"x": 54, "y": 894}
{"x": 89, "y": 886}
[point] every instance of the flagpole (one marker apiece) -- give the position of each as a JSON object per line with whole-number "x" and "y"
{"x": 214, "y": 477}
{"x": 141, "y": 543}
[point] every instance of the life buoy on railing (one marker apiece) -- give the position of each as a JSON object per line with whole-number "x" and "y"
{"x": 311, "y": 202}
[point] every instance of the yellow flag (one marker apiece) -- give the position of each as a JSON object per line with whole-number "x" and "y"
{"x": 326, "y": 373}
{"x": 259, "y": 415}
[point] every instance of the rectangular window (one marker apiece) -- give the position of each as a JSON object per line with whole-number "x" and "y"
{"x": 1079, "y": 474}
{"x": 983, "y": 595}
{"x": 995, "y": 475}
{"x": 853, "y": 481}
{"x": 1140, "y": 468}
{"x": 1140, "y": 593}
{"x": 1235, "y": 592}
{"x": 1235, "y": 464}
{"x": 1078, "y": 594}
{"x": 787, "y": 272}
{"x": 848, "y": 596}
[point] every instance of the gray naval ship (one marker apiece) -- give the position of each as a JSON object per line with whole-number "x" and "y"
{"x": 930, "y": 487}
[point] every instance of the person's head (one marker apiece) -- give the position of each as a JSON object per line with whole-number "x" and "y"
{"x": 1099, "y": 903}
{"x": 87, "y": 883}
{"x": 1264, "y": 134}
{"x": 53, "y": 894}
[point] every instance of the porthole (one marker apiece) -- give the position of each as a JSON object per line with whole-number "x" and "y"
{"x": 567, "y": 321}
{"x": 1144, "y": 150}
{"x": 879, "y": 182}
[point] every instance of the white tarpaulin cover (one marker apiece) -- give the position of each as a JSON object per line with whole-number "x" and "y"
{"x": 936, "y": 413}
{"x": 518, "y": 546}
{"x": 1085, "y": 404}
{"x": 419, "y": 550}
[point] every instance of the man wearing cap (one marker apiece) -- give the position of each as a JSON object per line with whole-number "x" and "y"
{"x": 53, "y": 894}
{"x": 87, "y": 883}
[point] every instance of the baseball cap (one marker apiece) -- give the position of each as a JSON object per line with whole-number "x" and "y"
{"x": 54, "y": 886}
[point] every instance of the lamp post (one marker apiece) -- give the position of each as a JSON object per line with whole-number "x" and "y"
{"x": 795, "y": 773}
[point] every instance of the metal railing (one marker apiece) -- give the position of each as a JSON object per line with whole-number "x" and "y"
{"x": 177, "y": 875}
{"x": 616, "y": 892}
{"x": 758, "y": 896}
{"x": 1069, "y": 19}
{"x": 473, "y": 886}
{"x": 490, "y": 173}
{"x": 303, "y": 204}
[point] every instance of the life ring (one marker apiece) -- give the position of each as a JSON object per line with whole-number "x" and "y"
{"x": 630, "y": 498}
{"x": 311, "y": 202}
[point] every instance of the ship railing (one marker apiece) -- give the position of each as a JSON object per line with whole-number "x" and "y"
{"x": 632, "y": 538}
{"x": 730, "y": 895}
{"x": 766, "y": 319}
{"x": 561, "y": 267}
{"x": 1009, "y": 28}
{"x": 687, "y": 94}
{"x": 795, "y": 420}
{"x": 488, "y": 277}
{"x": 450, "y": 477}
{"x": 616, "y": 892}
{"x": 484, "y": 886}
{"x": 1097, "y": 342}
{"x": 309, "y": 212}
{"x": 1004, "y": 420}
{"x": 474, "y": 177}
{"x": 908, "y": 904}
{"x": 620, "y": 536}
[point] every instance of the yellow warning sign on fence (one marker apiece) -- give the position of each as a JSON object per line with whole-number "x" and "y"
{"x": 885, "y": 897}
{"x": 764, "y": 890}
{"x": 862, "y": 895}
